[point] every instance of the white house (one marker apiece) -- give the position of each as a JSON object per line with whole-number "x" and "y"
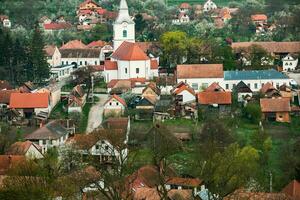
{"x": 53, "y": 55}
{"x": 80, "y": 57}
{"x": 28, "y": 149}
{"x": 114, "y": 105}
{"x": 62, "y": 71}
{"x": 200, "y": 76}
{"x": 5, "y": 21}
{"x": 209, "y": 5}
{"x": 182, "y": 19}
{"x": 53, "y": 134}
{"x": 289, "y": 63}
{"x": 243, "y": 92}
{"x": 184, "y": 93}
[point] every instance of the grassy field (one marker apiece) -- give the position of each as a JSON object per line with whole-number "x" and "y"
{"x": 218, "y": 2}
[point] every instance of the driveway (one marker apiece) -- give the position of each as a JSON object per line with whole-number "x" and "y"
{"x": 96, "y": 113}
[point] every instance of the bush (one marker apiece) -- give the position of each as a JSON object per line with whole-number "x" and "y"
{"x": 252, "y": 112}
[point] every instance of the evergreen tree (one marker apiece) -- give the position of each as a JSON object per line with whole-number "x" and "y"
{"x": 19, "y": 61}
{"x": 38, "y": 66}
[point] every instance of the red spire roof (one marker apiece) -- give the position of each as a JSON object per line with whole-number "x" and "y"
{"x": 129, "y": 51}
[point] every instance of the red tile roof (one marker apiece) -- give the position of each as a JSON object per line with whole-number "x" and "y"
{"x": 8, "y": 162}
{"x": 74, "y": 44}
{"x": 185, "y": 6}
{"x": 101, "y": 11}
{"x": 97, "y": 44}
{"x": 144, "y": 193}
{"x": 208, "y": 98}
{"x": 245, "y": 195}
{"x": 29, "y": 100}
{"x": 5, "y": 95}
{"x": 110, "y": 65}
{"x": 266, "y": 87}
{"x": 214, "y": 87}
{"x": 271, "y": 47}
{"x": 292, "y": 190}
{"x": 20, "y": 148}
{"x": 275, "y": 105}
{"x": 116, "y": 97}
{"x": 57, "y": 26}
{"x": 183, "y": 87}
{"x": 259, "y": 17}
{"x": 154, "y": 64}
{"x": 85, "y": 11}
{"x": 129, "y": 51}
{"x": 200, "y": 71}
{"x": 192, "y": 182}
{"x": 117, "y": 123}
{"x": 87, "y": 2}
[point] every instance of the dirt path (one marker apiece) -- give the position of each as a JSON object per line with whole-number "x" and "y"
{"x": 96, "y": 113}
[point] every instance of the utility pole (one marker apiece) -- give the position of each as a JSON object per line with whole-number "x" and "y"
{"x": 271, "y": 181}
{"x": 92, "y": 80}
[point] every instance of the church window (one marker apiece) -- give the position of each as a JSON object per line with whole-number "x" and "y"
{"x": 137, "y": 70}
{"x": 124, "y": 33}
{"x": 125, "y": 70}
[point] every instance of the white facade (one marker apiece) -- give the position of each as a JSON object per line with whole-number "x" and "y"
{"x": 6, "y": 23}
{"x": 55, "y": 60}
{"x": 242, "y": 95}
{"x": 46, "y": 144}
{"x": 81, "y": 61}
{"x": 209, "y": 5}
{"x": 182, "y": 19}
{"x": 61, "y": 72}
{"x": 33, "y": 153}
{"x": 124, "y": 26}
{"x": 187, "y": 97}
{"x": 198, "y": 84}
{"x": 113, "y": 105}
{"x": 289, "y": 63}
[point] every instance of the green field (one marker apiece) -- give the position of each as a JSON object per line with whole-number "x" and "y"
{"x": 218, "y": 2}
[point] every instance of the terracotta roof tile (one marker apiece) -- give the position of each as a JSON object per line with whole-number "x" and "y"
{"x": 116, "y": 97}
{"x": 243, "y": 194}
{"x": 97, "y": 44}
{"x": 10, "y": 161}
{"x": 57, "y": 26}
{"x": 117, "y": 123}
{"x": 214, "y": 87}
{"x": 200, "y": 71}
{"x": 208, "y": 98}
{"x": 129, "y": 51}
{"x": 271, "y": 47}
{"x": 183, "y": 87}
{"x": 292, "y": 190}
{"x": 185, "y": 6}
{"x": 259, "y": 17}
{"x": 87, "y": 2}
{"x": 192, "y": 182}
{"x": 74, "y": 44}
{"x": 80, "y": 53}
{"x": 110, "y": 65}
{"x": 144, "y": 193}
{"x": 275, "y": 105}
{"x": 267, "y": 87}
{"x": 29, "y": 100}
{"x": 20, "y": 148}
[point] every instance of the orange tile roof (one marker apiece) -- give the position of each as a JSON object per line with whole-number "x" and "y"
{"x": 116, "y": 97}
{"x": 20, "y": 148}
{"x": 29, "y": 100}
{"x": 192, "y": 182}
{"x": 87, "y": 2}
{"x": 74, "y": 44}
{"x": 259, "y": 17}
{"x": 292, "y": 190}
{"x": 154, "y": 64}
{"x": 271, "y": 47}
{"x": 129, "y": 51}
{"x": 214, "y": 87}
{"x": 266, "y": 87}
{"x": 96, "y": 44}
{"x": 110, "y": 65}
{"x": 10, "y": 161}
{"x": 200, "y": 71}
{"x": 117, "y": 123}
{"x": 184, "y": 87}
{"x": 245, "y": 195}
{"x": 144, "y": 193}
{"x": 208, "y": 98}
{"x": 275, "y": 105}
{"x": 185, "y": 6}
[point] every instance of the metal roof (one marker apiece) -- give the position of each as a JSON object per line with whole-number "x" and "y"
{"x": 254, "y": 75}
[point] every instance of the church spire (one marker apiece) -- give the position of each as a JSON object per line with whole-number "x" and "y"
{"x": 123, "y": 15}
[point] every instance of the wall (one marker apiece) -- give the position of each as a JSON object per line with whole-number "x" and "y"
{"x": 187, "y": 97}
{"x": 202, "y": 81}
{"x": 118, "y": 34}
{"x": 32, "y": 152}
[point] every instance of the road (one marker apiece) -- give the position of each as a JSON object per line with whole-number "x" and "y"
{"x": 96, "y": 113}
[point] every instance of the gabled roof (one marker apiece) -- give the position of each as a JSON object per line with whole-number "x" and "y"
{"x": 20, "y": 148}
{"x": 259, "y": 17}
{"x": 275, "y": 105}
{"x": 153, "y": 87}
{"x": 292, "y": 190}
{"x": 29, "y": 100}
{"x": 87, "y": 2}
{"x": 241, "y": 87}
{"x": 52, "y": 130}
{"x": 116, "y": 123}
{"x": 185, "y": 6}
{"x": 97, "y": 44}
{"x": 8, "y": 162}
{"x": 191, "y": 182}
{"x": 74, "y": 44}
{"x": 183, "y": 87}
{"x": 110, "y": 65}
{"x": 267, "y": 87}
{"x": 200, "y": 71}
{"x": 209, "y": 98}
{"x": 57, "y": 26}
{"x": 117, "y": 98}
{"x": 129, "y": 51}
{"x": 214, "y": 87}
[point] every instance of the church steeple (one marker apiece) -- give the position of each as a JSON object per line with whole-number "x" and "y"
{"x": 124, "y": 26}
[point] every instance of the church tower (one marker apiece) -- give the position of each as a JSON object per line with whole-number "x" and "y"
{"x": 124, "y": 26}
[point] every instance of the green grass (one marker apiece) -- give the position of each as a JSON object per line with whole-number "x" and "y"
{"x": 84, "y": 117}
{"x": 59, "y": 112}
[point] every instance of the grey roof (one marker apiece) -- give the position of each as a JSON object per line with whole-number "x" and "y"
{"x": 52, "y": 130}
{"x": 254, "y": 75}
{"x": 241, "y": 87}
{"x": 80, "y": 53}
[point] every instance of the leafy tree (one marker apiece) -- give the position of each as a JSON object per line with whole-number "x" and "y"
{"x": 101, "y": 32}
{"x": 140, "y": 23}
{"x": 5, "y": 140}
{"x": 252, "y": 112}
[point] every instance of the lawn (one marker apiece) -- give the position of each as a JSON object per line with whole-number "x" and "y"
{"x": 59, "y": 111}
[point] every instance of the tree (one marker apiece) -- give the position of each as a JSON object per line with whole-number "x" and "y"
{"x": 84, "y": 76}
{"x": 140, "y": 23}
{"x": 5, "y": 140}
{"x": 174, "y": 46}
{"x": 252, "y": 112}
{"x": 38, "y": 67}
{"x": 100, "y": 32}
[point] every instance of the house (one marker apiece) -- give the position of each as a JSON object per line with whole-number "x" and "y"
{"x": 244, "y": 93}
{"x": 259, "y": 19}
{"x": 128, "y": 59}
{"x": 184, "y": 7}
{"x": 28, "y": 149}
{"x": 276, "y": 109}
{"x": 179, "y": 183}
{"x": 151, "y": 90}
{"x": 53, "y": 134}
{"x": 77, "y": 99}
{"x": 53, "y": 55}
{"x": 119, "y": 86}
{"x": 244, "y": 194}
{"x": 215, "y": 97}
{"x": 152, "y": 194}
{"x": 209, "y": 5}
{"x": 97, "y": 44}
{"x": 145, "y": 108}
{"x": 292, "y": 190}
{"x": 9, "y": 162}
{"x": 62, "y": 72}
{"x": 28, "y": 87}
{"x": 183, "y": 93}
{"x": 56, "y": 26}
{"x": 269, "y": 91}
{"x": 115, "y": 105}
{"x": 164, "y": 108}
{"x": 221, "y": 16}
{"x": 80, "y": 56}
{"x": 287, "y": 92}
{"x": 255, "y": 79}
{"x": 5, "y": 22}
{"x": 200, "y": 76}
{"x": 289, "y": 63}
{"x": 182, "y": 19}
{"x": 5, "y": 97}
{"x": 74, "y": 44}
{"x": 54, "y": 92}
{"x": 29, "y": 104}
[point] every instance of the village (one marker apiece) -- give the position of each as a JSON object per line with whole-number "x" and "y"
{"x": 95, "y": 107}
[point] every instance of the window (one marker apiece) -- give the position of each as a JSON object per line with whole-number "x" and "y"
{"x": 137, "y": 70}
{"x": 106, "y": 147}
{"x": 67, "y": 62}
{"x": 204, "y": 85}
{"x": 255, "y": 85}
{"x": 44, "y": 141}
{"x": 96, "y": 62}
{"x": 249, "y": 85}
{"x": 62, "y": 63}
{"x": 227, "y": 86}
{"x": 110, "y": 103}
{"x": 80, "y": 62}
{"x": 277, "y": 85}
{"x": 85, "y": 62}
{"x": 117, "y": 103}
{"x": 124, "y": 33}
{"x": 125, "y": 70}
{"x": 195, "y": 86}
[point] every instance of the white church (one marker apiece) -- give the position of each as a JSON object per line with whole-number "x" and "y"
{"x": 128, "y": 61}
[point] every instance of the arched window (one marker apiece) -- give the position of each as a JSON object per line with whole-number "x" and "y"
{"x": 124, "y": 33}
